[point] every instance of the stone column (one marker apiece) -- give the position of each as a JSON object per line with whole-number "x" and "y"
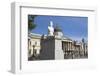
{"x": 71, "y": 45}
{"x": 68, "y": 46}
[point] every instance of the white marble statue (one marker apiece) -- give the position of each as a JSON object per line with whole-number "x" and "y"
{"x": 50, "y": 29}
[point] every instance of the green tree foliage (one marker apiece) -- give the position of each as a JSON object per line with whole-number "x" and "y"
{"x": 31, "y": 24}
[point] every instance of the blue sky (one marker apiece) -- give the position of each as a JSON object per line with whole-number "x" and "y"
{"x": 73, "y": 27}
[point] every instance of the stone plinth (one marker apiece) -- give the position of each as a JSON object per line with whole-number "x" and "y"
{"x": 51, "y": 48}
{"x": 59, "y": 54}
{"x": 47, "y": 48}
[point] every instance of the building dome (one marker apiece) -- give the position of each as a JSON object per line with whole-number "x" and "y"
{"x": 58, "y": 32}
{"x": 57, "y": 29}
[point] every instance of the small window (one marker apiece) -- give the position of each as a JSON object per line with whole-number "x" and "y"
{"x": 35, "y": 43}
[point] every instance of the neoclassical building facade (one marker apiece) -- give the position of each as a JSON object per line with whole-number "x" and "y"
{"x": 55, "y": 45}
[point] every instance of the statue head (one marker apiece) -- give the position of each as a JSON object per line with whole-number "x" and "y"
{"x": 51, "y": 23}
